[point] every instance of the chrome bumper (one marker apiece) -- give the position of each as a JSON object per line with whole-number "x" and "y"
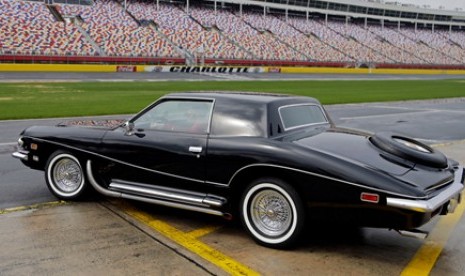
{"x": 21, "y": 155}
{"x": 451, "y": 195}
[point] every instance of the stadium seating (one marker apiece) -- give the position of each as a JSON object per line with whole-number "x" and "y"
{"x": 183, "y": 31}
{"x": 316, "y": 44}
{"x": 148, "y": 29}
{"x": 34, "y": 31}
{"x": 103, "y": 12}
{"x": 422, "y": 42}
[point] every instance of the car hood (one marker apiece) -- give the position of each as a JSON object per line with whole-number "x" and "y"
{"x": 355, "y": 148}
{"x": 84, "y": 138}
{"x": 108, "y": 124}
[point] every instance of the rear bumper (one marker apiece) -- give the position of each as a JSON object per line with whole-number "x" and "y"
{"x": 451, "y": 196}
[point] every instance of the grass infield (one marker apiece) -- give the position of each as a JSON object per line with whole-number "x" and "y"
{"x": 47, "y": 100}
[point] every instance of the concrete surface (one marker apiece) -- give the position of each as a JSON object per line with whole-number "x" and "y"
{"x": 83, "y": 239}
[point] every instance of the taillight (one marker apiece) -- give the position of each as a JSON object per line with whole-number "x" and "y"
{"x": 368, "y": 197}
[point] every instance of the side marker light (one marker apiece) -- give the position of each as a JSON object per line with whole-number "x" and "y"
{"x": 367, "y": 197}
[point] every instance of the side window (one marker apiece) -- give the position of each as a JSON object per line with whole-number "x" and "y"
{"x": 240, "y": 119}
{"x": 177, "y": 115}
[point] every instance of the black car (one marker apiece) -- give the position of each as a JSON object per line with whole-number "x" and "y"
{"x": 276, "y": 161}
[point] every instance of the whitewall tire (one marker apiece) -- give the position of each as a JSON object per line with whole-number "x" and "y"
{"x": 272, "y": 212}
{"x": 64, "y": 176}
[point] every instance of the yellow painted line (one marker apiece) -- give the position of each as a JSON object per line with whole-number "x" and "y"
{"x": 32, "y": 207}
{"x": 198, "y": 233}
{"x": 439, "y": 145}
{"x": 426, "y": 257}
{"x": 190, "y": 242}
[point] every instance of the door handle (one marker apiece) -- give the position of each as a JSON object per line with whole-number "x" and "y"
{"x": 195, "y": 149}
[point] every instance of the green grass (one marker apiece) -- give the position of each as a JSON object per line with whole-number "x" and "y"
{"x": 45, "y": 100}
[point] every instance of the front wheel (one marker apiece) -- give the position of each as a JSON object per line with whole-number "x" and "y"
{"x": 64, "y": 176}
{"x": 272, "y": 212}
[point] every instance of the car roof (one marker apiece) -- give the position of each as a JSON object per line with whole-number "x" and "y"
{"x": 258, "y": 97}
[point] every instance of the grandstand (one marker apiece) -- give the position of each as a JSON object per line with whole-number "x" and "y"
{"x": 337, "y": 33}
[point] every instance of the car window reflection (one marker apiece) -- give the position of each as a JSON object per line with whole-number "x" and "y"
{"x": 244, "y": 119}
{"x": 177, "y": 116}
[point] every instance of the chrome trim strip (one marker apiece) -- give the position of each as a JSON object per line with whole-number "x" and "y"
{"x": 194, "y": 149}
{"x": 432, "y": 204}
{"x": 440, "y": 185}
{"x": 21, "y": 155}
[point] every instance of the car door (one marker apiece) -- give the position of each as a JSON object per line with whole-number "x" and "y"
{"x": 164, "y": 145}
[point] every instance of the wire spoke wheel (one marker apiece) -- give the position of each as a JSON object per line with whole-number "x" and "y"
{"x": 272, "y": 212}
{"x": 64, "y": 176}
{"x": 67, "y": 175}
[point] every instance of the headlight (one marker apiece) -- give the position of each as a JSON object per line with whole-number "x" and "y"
{"x": 20, "y": 143}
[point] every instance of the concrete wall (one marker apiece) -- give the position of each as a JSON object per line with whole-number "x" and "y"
{"x": 284, "y": 70}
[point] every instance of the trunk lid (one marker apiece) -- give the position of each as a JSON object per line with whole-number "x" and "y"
{"x": 356, "y": 148}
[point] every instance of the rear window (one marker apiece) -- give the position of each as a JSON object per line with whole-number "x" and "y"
{"x": 294, "y": 116}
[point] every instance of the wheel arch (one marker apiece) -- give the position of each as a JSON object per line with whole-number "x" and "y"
{"x": 246, "y": 175}
{"x": 45, "y": 149}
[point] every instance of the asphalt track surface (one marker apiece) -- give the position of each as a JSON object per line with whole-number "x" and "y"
{"x": 362, "y": 252}
{"x": 434, "y": 121}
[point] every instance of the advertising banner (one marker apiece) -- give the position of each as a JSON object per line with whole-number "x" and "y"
{"x": 126, "y": 68}
{"x": 204, "y": 69}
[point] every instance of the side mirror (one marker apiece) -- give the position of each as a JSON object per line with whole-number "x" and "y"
{"x": 129, "y": 127}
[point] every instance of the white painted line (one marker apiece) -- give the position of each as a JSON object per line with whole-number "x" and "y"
{"x": 388, "y": 115}
{"x": 419, "y": 109}
{"x": 8, "y": 144}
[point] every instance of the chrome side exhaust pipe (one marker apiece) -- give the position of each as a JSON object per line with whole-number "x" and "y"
{"x": 116, "y": 194}
{"x": 413, "y": 233}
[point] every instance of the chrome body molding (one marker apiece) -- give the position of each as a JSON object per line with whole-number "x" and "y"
{"x": 426, "y": 206}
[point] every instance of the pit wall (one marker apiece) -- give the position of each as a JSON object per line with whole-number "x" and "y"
{"x": 322, "y": 70}
{"x": 215, "y": 69}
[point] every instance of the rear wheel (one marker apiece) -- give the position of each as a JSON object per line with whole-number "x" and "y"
{"x": 64, "y": 176}
{"x": 272, "y": 212}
